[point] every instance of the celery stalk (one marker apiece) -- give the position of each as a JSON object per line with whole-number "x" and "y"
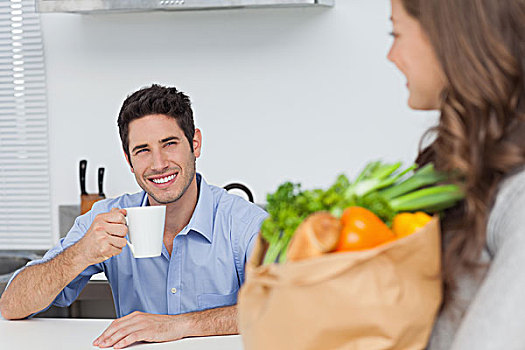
{"x": 422, "y": 177}
{"x": 375, "y": 177}
{"x": 427, "y": 198}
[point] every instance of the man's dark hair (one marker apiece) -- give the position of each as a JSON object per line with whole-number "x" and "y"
{"x": 156, "y": 99}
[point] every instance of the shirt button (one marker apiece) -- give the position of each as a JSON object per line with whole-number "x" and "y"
{"x": 173, "y": 290}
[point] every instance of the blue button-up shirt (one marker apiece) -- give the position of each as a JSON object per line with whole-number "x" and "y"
{"x": 205, "y": 269}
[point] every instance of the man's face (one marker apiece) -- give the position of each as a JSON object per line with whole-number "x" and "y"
{"x": 161, "y": 157}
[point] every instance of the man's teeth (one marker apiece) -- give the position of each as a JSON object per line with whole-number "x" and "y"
{"x": 164, "y": 179}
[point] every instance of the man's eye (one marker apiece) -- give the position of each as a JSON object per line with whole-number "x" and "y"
{"x": 141, "y": 151}
{"x": 171, "y": 143}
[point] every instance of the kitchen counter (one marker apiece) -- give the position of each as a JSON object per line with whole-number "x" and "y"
{"x": 52, "y": 334}
{"x": 95, "y": 301}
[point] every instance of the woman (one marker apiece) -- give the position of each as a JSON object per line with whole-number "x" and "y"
{"x": 466, "y": 58}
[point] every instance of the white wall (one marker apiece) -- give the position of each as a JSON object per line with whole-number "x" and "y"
{"x": 280, "y": 94}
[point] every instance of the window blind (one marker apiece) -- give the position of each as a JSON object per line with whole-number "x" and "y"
{"x": 25, "y": 201}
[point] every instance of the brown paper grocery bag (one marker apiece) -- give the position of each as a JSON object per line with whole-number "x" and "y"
{"x": 383, "y": 298}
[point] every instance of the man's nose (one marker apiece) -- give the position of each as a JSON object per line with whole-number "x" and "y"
{"x": 160, "y": 161}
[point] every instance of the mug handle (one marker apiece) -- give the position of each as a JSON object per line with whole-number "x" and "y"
{"x": 127, "y": 241}
{"x": 130, "y": 247}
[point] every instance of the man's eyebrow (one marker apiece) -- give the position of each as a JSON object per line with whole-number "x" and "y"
{"x": 171, "y": 138}
{"x": 167, "y": 139}
{"x": 136, "y": 148}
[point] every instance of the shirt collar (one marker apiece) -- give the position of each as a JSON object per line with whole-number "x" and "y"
{"x": 202, "y": 218}
{"x": 144, "y": 200}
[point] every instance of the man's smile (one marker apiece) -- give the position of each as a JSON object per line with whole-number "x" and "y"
{"x": 163, "y": 180}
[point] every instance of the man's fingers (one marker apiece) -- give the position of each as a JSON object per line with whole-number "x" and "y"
{"x": 105, "y": 237}
{"x": 112, "y": 245}
{"x": 123, "y": 211}
{"x": 117, "y": 230}
{"x": 102, "y": 340}
{"x": 110, "y": 249}
{"x": 118, "y": 330}
{"x": 118, "y": 242}
{"x": 128, "y": 340}
{"x": 114, "y": 338}
{"x": 116, "y": 216}
{"x": 114, "y": 326}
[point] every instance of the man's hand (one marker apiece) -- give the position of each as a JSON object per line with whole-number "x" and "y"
{"x": 139, "y": 326}
{"x": 105, "y": 238}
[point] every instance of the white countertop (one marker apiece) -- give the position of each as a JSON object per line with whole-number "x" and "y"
{"x": 57, "y": 334}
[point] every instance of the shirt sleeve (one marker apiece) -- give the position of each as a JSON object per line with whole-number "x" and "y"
{"x": 246, "y": 241}
{"x": 496, "y": 317}
{"x": 73, "y": 289}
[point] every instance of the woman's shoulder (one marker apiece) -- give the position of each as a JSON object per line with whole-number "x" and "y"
{"x": 511, "y": 191}
{"x": 506, "y": 216}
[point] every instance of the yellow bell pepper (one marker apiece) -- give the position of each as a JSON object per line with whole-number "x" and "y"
{"x": 405, "y": 224}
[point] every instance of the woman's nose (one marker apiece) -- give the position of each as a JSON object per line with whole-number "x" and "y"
{"x": 390, "y": 55}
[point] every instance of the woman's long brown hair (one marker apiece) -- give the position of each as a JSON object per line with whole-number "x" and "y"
{"x": 480, "y": 135}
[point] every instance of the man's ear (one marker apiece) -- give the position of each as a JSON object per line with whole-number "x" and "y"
{"x": 197, "y": 143}
{"x": 129, "y": 162}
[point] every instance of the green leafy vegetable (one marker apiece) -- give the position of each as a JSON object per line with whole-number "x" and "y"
{"x": 382, "y": 188}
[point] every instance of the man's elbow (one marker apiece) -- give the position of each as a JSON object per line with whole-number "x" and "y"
{"x": 6, "y": 315}
{"x": 6, "y": 311}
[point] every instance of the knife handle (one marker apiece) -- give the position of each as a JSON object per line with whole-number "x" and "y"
{"x": 82, "y": 172}
{"x": 100, "y": 182}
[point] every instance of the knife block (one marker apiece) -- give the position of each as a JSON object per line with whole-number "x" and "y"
{"x": 87, "y": 201}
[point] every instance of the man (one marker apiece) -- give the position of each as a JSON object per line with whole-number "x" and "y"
{"x": 191, "y": 289}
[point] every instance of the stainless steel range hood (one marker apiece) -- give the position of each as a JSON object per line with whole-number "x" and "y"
{"x": 86, "y": 6}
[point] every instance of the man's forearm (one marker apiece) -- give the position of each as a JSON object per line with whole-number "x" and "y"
{"x": 35, "y": 287}
{"x": 219, "y": 321}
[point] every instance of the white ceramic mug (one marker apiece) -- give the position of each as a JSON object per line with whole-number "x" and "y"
{"x": 146, "y": 230}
